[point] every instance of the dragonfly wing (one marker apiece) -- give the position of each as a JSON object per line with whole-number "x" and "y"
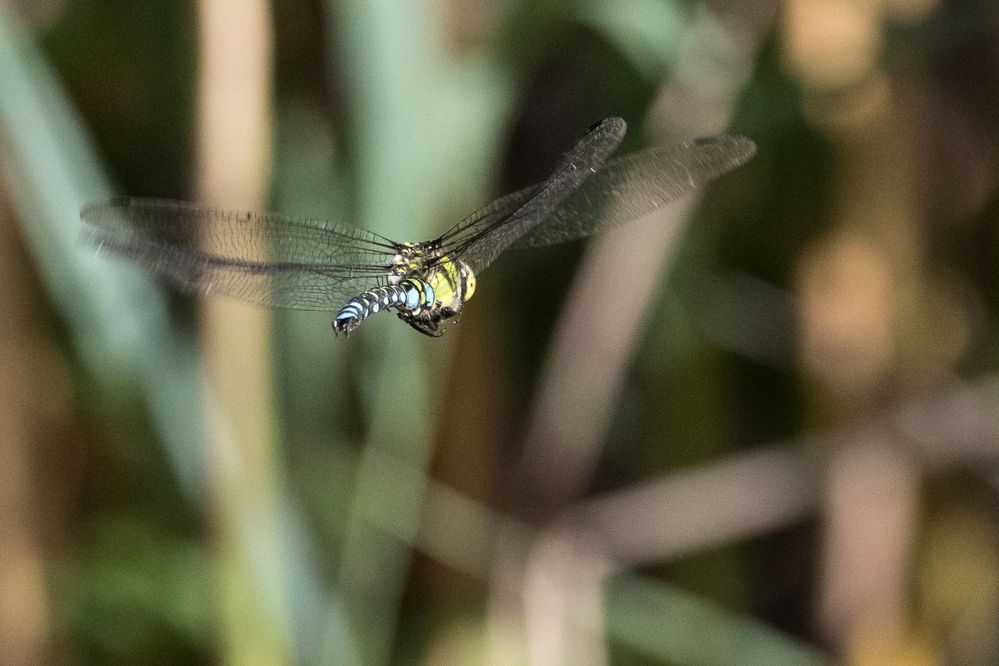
{"x": 264, "y": 258}
{"x": 482, "y": 236}
{"x": 632, "y": 186}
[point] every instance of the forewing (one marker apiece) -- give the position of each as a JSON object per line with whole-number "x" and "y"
{"x": 632, "y": 186}
{"x": 482, "y": 236}
{"x": 264, "y": 258}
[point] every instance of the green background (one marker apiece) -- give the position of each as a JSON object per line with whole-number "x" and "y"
{"x": 825, "y": 319}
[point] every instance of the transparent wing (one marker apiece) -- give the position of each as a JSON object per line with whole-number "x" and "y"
{"x": 576, "y": 202}
{"x": 630, "y": 187}
{"x": 314, "y": 264}
{"x": 482, "y": 236}
{"x": 264, "y": 258}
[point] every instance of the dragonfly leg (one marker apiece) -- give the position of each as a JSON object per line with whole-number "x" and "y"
{"x": 425, "y": 326}
{"x": 429, "y": 322}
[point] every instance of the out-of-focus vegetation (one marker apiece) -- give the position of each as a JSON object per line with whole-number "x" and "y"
{"x": 761, "y": 429}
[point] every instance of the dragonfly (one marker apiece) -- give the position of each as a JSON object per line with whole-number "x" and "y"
{"x": 316, "y": 264}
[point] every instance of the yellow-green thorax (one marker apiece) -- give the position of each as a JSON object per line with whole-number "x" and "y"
{"x": 453, "y": 282}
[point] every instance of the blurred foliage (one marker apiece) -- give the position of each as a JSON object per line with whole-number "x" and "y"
{"x": 401, "y": 117}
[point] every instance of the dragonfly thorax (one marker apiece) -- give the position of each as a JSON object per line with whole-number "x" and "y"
{"x": 424, "y": 286}
{"x": 412, "y": 259}
{"x": 453, "y": 282}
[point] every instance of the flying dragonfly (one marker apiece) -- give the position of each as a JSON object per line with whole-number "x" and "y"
{"x": 316, "y": 264}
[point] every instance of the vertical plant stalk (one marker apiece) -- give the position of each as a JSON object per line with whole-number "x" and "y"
{"x": 27, "y": 383}
{"x": 234, "y": 124}
{"x": 116, "y": 316}
{"x": 868, "y": 301}
{"x": 385, "y": 54}
{"x": 584, "y": 372}
{"x": 121, "y": 329}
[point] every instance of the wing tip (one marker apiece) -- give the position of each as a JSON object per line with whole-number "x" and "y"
{"x": 612, "y": 126}
{"x": 740, "y": 147}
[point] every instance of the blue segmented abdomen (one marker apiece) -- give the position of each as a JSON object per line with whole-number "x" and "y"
{"x": 409, "y": 295}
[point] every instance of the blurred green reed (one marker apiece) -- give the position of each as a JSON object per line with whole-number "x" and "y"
{"x": 413, "y": 118}
{"x": 389, "y": 440}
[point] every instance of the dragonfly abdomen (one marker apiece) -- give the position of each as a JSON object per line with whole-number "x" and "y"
{"x": 410, "y": 295}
